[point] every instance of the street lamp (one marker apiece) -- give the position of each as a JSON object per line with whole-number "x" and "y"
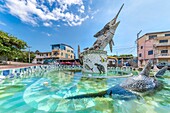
{"x": 29, "y": 53}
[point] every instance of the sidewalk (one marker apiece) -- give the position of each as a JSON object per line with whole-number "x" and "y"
{"x": 16, "y": 65}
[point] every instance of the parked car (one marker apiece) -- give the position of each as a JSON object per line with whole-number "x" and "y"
{"x": 162, "y": 64}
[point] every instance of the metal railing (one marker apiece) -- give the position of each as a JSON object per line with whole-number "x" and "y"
{"x": 163, "y": 54}
{"x": 162, "y": 44}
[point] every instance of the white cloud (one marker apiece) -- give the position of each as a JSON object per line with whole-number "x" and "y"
{"x": 2, "y": 23}
{"x": 2, "y": 8}
{"x": 51, "y": 2}
{"x": 82, "y": 8}
{"x": 33, "y": 12}
{"x": 70, "y": 2}
{"x": 91, "y": 1}
{"x": 47, "y": 24}
{"x": 48, "y": 34}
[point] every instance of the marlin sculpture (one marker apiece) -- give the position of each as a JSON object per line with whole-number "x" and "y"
{"x": 105, "y": 35}
{"x": 131, "y": 87}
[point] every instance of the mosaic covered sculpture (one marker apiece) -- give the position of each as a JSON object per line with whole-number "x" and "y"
{"x": 105, "y": 35}
{"x": 96, "y": 53}
{"x": 132, "y": 87}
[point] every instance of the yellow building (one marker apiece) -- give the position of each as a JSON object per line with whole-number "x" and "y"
{"x": 155, "y": 46}
{"x": 59, "y": 52}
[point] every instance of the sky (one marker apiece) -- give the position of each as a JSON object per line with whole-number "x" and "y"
{"x": 42, "y": 23}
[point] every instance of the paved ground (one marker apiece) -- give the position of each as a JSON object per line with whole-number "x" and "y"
{"x": 16, "y": 65}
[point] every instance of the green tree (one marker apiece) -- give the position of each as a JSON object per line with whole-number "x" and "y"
{"x": 11, "y": 46}
{"x": 24, "y": 56}
{"x": 126, "y": 56}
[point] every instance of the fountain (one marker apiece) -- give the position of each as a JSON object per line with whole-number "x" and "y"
{"x": 94, "y": 59}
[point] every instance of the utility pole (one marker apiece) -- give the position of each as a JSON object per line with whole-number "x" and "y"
{"x": 29, "y": 53}
{"x": 78, "y": 52}
{"x": 137, "y": 42}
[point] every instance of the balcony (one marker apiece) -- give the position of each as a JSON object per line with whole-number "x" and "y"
{"x": 162, "y": 45}
{"x": 38, "y": 56}
{"x": 56, "y": 50}
{"x": 163, "y": 55}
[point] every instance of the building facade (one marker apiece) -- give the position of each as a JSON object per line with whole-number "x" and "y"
{"x": 59, "y": 52}
{"x": 155, "y": 46}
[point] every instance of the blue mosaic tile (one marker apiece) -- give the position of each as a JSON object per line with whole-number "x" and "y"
{"x": 6, "y": 72}
{"x": 11, "y": 76}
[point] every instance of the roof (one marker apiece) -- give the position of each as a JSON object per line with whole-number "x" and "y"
{"x": 153, "y": 33}
{"x": 43, "y": 52}
{"x": 62, "y": 44}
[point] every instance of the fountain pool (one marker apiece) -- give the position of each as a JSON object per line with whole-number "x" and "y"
{"x": 45, "y": 92}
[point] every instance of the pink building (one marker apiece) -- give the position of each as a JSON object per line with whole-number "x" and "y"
{"x": 155, "y": 46}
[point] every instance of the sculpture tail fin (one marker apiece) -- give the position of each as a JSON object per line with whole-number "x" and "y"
{"x": 111, "y": 43}
{"x": 91, "y": 95}
{"x": 161, "y": 71}
{"x": 147, "y": 68}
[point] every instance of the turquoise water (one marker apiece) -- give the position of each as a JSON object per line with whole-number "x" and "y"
{"x": 45, "y": 92}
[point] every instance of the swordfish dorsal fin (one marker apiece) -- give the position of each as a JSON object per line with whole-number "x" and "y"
{"x": 146, "y": 69}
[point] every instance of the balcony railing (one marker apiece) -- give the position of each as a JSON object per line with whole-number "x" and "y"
{"x": 42, "y": 56}
{"x": 52, "y": 56}
{"x": 163, "y": 55}
{"x": 161, "y": 44}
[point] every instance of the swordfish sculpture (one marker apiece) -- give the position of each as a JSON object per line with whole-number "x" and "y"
{"x": 131, "y": 87}
{"x": 105, "y": 35}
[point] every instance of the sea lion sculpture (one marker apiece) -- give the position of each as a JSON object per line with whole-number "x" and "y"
{"x": 100, "y": 68}
{"x": 131, "y": 87}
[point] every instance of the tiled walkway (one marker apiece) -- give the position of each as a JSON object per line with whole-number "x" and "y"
{"x": 16, "y": 66}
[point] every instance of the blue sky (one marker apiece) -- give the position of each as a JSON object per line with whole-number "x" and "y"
{"x": 74, "y": 22}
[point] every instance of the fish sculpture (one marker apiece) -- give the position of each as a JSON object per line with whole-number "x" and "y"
{"x": 131, "y": 87}
{"x": 88, "y": 67}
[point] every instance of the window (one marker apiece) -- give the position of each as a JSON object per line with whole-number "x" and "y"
{"x": 164, "y": 51}
{"x": 66, "y": 55}
{"x": 141, "y": 47}
{"x": 62, "y": 47}
{"x": 71, "y": 51}
{"x": 152, "y": 36}
{"x": 167, "y": 34}
{"x": 140, "y": 55}
{"x": 61, "y": 53}
{"x": 68, "y": 50}
{"x": 150, "y": 52}
{"x": 163, "y": 41}
{"x": 55, "y": 47}
{"x": 56, "y": 53}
